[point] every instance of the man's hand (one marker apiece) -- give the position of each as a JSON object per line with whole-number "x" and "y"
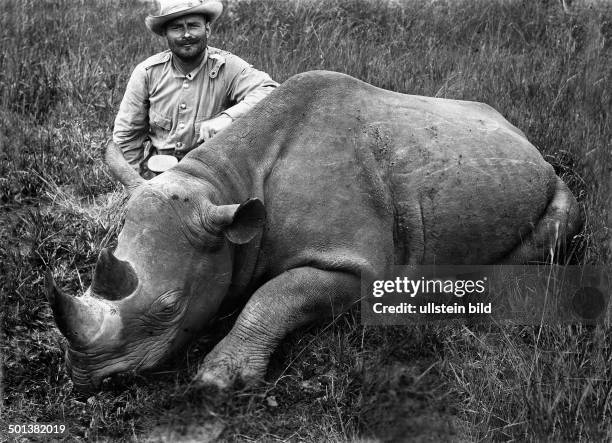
{"x": 210, "y": 127}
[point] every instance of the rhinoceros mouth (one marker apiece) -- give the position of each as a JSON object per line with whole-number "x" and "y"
{"x": 88, "y": 371}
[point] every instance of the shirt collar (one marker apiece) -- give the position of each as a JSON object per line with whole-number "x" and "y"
{"x": 177, "y": 73}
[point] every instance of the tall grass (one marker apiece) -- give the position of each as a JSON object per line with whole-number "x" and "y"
{"x": 63, "y": 68}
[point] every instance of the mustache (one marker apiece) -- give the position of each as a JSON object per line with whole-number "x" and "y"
{"x": 189, "y": 41}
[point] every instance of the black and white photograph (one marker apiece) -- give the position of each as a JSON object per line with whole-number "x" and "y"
{"x": 305, "y": 220}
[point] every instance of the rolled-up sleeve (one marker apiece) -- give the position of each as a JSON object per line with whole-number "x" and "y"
{"x": 246, "y": 86}
{"x": 132, "y": 121}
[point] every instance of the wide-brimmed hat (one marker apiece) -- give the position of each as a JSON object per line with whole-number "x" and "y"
{"x": 171, "y": 9}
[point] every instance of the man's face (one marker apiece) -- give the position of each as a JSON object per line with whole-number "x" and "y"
{"x": 188, "y": 36}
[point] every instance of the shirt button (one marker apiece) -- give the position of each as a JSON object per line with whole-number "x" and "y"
{"x": 179, "y": 145}
{"x": 185, "y": 85}
{"x": 183, "y": 106}
{"x": 182, "y": 125}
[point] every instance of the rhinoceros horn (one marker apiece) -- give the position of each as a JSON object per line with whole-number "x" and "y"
{"x": 78, "y": 320}
{"x": 120, "y": 168}
{"x": 113, "y": 279}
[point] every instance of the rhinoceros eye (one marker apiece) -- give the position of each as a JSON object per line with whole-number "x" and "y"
{"x": 167, "y": 307}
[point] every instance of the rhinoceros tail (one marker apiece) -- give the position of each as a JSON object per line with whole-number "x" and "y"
{"x": 552, "y": 234}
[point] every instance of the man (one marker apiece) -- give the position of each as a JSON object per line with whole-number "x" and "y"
{"x": 183, "y": 96}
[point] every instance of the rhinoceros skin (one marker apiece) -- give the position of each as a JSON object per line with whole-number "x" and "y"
{"x": 327, "y": 179}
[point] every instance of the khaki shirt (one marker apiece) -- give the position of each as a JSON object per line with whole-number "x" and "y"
{"x": 166, "y": 106}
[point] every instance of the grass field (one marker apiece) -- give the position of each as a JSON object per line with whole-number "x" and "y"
{"x": 63, "y": 67}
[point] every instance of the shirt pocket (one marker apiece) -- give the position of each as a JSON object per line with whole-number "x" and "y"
{"x": 160, "y": 123}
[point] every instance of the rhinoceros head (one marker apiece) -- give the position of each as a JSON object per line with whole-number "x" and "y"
{"x": 162, "y": 285}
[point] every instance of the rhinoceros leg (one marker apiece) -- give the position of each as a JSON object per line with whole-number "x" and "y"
{"x": 547, "y": 241}
{"x": 292, "y": 299}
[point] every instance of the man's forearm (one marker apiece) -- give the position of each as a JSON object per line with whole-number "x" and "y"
{"x": 133, "y": 155}
{"x": 131, "y": 144}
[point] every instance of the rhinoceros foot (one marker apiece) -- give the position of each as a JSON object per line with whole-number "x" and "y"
{"x": 226, "y": 367}
{"x": 308, "y": 294}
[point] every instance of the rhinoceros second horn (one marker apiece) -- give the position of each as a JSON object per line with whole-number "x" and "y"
{"x": 113, "y": 279}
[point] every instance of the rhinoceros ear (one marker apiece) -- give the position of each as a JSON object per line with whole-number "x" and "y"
{"x": 240, "y": 223}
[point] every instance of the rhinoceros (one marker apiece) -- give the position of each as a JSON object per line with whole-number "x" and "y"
{"x": 326, "y": 180}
